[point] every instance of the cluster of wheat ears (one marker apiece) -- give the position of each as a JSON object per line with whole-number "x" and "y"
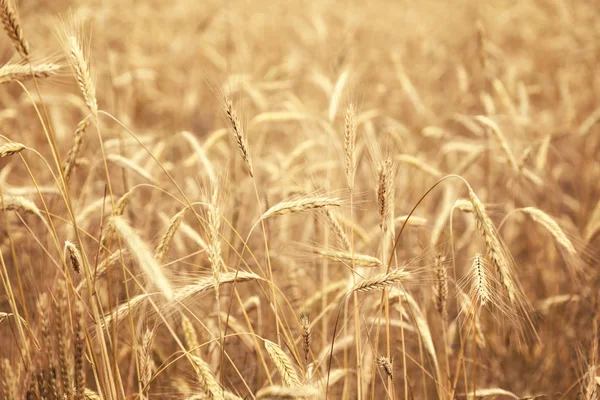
{"x": 300, "y": 201}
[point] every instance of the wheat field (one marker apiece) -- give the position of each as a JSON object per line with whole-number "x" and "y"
{"x": 299, "y": 200}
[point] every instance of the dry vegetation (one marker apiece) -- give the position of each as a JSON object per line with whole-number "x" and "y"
{"x": 235, "y": 199}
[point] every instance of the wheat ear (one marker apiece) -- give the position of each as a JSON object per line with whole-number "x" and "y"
{"x": 206, "y": 379}
{"x": 552, "y": 227}
{"x": 71, "y": 161}
{"x": 143, "y": 254}
{"x": 283, "y": 363}
{"x": 441, "y": 287}
{"x": 11, "y": 148}
{"x": 381, "y": 281}
{"x": 350, "y": 145}
{"x": 12, "y": 26}
{"x": 310, "y": 203}
{"x": 238, "y": 134}
{"x": 82, "y": 74}
{"x": 74, "y": 256}
{"x": 18, "y": 72}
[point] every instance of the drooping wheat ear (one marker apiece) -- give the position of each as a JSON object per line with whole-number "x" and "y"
{"x": 552, "y": 227}
{"x": 117, "y": 211}
{"x": 125, "y": 162}
{"x": 11, "y": 148}
{"x": 420, "y": 164}
{"x": 101, "y": 269}
{"x": 201, "y": 154}
{"x": 494, "y": 247}
{"x": 204, "y": 285}
{"x": 306, "y": 336}
{"x": 21, "y": 204}
{"x": 283, "y": 363}
{"x": 361, "y": 260}
{"x": 338, "y": 230}
{"x": 82, "y": 74}
{"x": 350, "y": 145}
{"x": 191, "y": 338}
{"x": 385, "y": 194}
{"x": 63, "y": 340}
{"x": 480, "y": 287}
{"x": 464, "y": 205}
{"x": 141, "y": 251}
{"x": 124, "y": 310}
{"x": 381, "y": 281}
{"x": 147, "y": 364}
{"x": 310, "y": 203}
{"x": 89, "y": 394}
{"x": 74, "y": 256}
{"x": 206, "y": 379}
{"x": 79, "y": 351}
{"x": 161, "y": 251}
{"x": 18, "y": 72}
{"x": 277, "y": 392}
{"x": 12, "y": 26}
{"x": 387, "y": 366}
{"x": 496, "y": 132}
{"x": 441, "y": 287}
{"x": 214, "y": 239}
{"x": 4, "y": 316}
{"x": 10, "y": 384}
{"x": 238, "y": 134}
{"x": 482, "y": 45}
{"x": 71, "y": 161}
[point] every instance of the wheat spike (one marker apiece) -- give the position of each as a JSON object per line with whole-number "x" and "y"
{"x": 283, "y": 363}
{"x": 18, "y": 72}
{"x": 12, "y": 26}
{"x": 310, "y": 203}
{"x": 381, "y": 281}
{"x": 337, "y": 228}
{"x": 207, "y": 380}
{"x": 11, "y": 148}
{"x": 480, "y": 288}
{"x": 385, "y": 194}
{"x": 306, "y": 336}
{"x": 143, "y": 254}
{"x": 146, "y": 362}
{"x": 350, "y": 145}
{"x": 164, "y": 245}
{"x": 74, "y": 256}
{"x": 189, "y": 333}
{"x": 78, "y": 357}
{"x": 71, "y": 161}
{"x": 387, "y": 366}
{"x": 552, "y": 227}
{"x": 441, "y": 288}
{"x": 82, "y": 74}
{"x": 362, "y": 260}
{"x": 493, "y": 245}
{"x": 63, "y": 340}
{"x": 238, "y": 134}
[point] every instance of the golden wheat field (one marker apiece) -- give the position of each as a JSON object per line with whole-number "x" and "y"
{"x": 299, "y": 200}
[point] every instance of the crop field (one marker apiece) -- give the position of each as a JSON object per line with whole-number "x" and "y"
{"x": 299, "y": 200}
